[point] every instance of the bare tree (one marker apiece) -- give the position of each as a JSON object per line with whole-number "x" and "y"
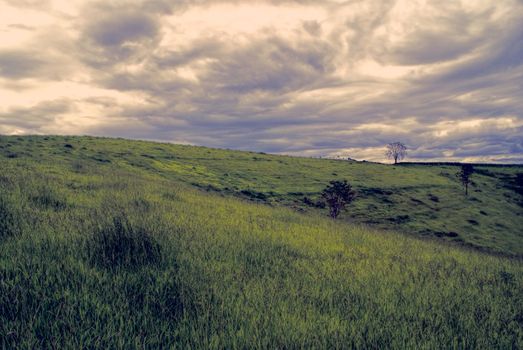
{"x": 396, "y": 151}
{"x": 337, "y": 195}
{"x": 464, "y": 176}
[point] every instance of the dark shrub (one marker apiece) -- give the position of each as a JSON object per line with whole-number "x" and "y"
{"x": 337, "y": 195}
{"x": 121, "y": 244}
{"x": 68, "y": 145}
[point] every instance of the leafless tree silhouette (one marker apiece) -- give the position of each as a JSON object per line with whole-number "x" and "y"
{"x": 396, "y": 151}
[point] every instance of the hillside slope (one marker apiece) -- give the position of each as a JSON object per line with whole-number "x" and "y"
{"x": 422, "y": 200}
{"x": 100, "y": 250}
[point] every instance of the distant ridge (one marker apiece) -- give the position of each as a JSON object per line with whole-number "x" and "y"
{"x": 500, "y": 165}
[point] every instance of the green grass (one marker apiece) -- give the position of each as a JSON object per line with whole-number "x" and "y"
{"x": 210, "y": 270}
{"x": 425, "y": 201}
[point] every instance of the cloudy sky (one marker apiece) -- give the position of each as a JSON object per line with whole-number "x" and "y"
{"x": 301, "y": 77}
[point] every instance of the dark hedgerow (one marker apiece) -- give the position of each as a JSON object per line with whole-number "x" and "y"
{"x": 120, "y": 244}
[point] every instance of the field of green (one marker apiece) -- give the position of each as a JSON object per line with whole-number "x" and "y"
{"x": 426, "y": 201}
{"x": 110, "y": 243}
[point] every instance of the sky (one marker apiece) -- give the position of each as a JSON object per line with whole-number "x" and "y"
{"x": 328, "y": 78}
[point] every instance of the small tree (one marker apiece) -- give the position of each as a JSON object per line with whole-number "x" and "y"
{"x": 337, "y": 195}
{"x": 396, "y": 151}
{"x": 464, "y": 176}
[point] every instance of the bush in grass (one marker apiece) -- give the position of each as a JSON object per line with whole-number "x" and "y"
{"x": 119, "y": 243}
{"x": 337, "y": 195}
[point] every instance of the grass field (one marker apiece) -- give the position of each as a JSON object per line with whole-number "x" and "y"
{"x": 420, "y": 200}
{"x": 108, "y": 243}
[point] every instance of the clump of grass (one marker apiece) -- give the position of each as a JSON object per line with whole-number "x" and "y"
{"x": 121, "y": 244}
{"x": 46, "y": 197}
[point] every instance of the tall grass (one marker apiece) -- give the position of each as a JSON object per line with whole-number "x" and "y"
{"x": 140, "y": 261}
{"x": 421, "y": 200}
{"x": 118, "y": 243}
{"x": 10, "y": 217}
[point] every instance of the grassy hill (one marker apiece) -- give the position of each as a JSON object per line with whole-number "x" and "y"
{"x": 421, "y": 200}
{"x": 106, "y": 243}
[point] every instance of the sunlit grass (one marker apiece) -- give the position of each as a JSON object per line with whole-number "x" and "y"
{"x": 214, "y": 271}
{"x": 425, "y": 201}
